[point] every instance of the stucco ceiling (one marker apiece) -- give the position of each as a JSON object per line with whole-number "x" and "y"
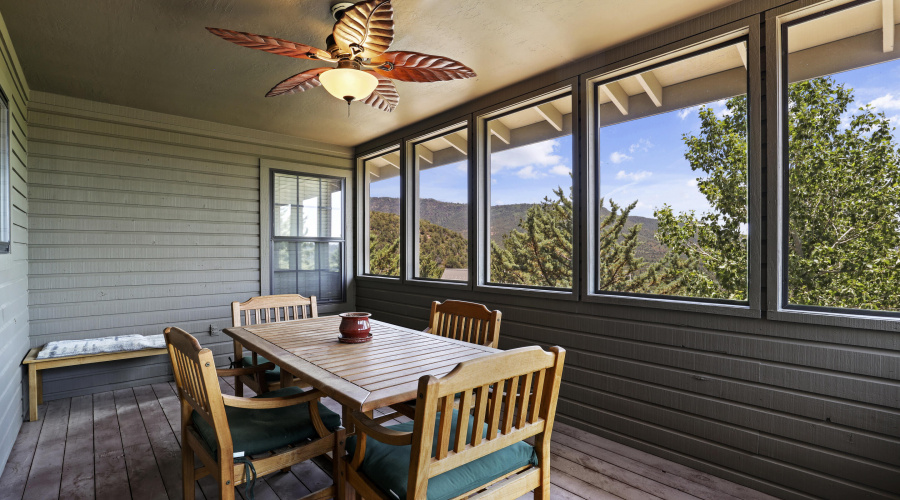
{"x": 155, "y": 54}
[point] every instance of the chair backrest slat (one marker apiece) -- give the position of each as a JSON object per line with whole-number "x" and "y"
{"x": 198, "y": 384}
{"x": 273, "y": 309}
{"x": 465, "y": 321}
{"x": 508, "y": 397}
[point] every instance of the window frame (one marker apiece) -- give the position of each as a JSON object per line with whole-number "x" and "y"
{"x": 6, "y": 190}
{"x": 342, "y": 240}
{"x": 412, "y": 184}
{"x": 482, "y": 186}
{"x": 666, "y": 54}
{"x": 266, "y": 247}
{"x": 362, "y": 215}
{"x": 777, "y": 22}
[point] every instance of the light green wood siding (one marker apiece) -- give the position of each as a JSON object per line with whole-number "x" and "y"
{"x": 142, "y": 220}
{"x": 14, "y": 266}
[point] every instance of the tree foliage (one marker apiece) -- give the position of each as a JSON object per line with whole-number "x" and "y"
{"x": 843, "y": 203}
{"x": 439, "y": 247}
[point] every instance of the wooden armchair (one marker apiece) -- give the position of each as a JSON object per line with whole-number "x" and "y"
{"x": 466, "y": 321}
{"x": 262, "y": 310}
{"x": 505, "y": 398}
{"x": 269, "y": 432}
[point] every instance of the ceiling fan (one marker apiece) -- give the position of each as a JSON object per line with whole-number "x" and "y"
{"x": 358, "y": 44}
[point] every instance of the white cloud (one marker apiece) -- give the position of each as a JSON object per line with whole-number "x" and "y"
{"x": 633, "y": 176}
{"x": 686, "y": 111}
{"x": 642, "y": 145}
{"x": 887, "y": 101}
{"x": 692, "y": 182}
{"x": 529, "y": 172}
{"x": 660, "y": 189}
{"x": 540, "y": 154}
{"x": 617, "y": 157}
{"x": 561, "y": 170}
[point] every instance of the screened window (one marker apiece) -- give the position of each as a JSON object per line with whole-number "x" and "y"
{"x": 841, "y": 243}
{"x": 529, "y": 191}
{"x": 5, "y": 182}
{"x": 671, "y": 160}
{"x": 441, "y": 207}
{"x": 308, "y": 236}
{"x": 382, "y": 191}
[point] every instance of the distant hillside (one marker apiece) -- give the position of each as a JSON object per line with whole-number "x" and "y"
{"x": 505, "y": 218}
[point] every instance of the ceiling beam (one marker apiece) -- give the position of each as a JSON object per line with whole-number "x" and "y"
{"x": 651, "y": 86}
{"x": 424, "y": 153}
{"x": 887, "y": 16}
{"x": 457, "y": 142}
{"x": 500, "y": 130}
{"x": 392, "y": 159}
{"x": 742, "y": 51}
{"x": 617, "y": 95}
{"x": 551, "y": 114}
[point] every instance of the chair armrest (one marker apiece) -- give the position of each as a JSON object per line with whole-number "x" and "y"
{"x": 231, "y": 372}
{"x": 373, "y": 429}
{"x": 265, "y": 403}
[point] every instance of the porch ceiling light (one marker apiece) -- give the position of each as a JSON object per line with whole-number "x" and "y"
{"x": 348, "y": 82}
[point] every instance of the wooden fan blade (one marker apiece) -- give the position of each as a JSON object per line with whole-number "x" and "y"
{"x": 366, "y": 29}
{"x": 271, "y": 44}
{"x": 298, "y": 83}
{"x": 418, "y": 67}
{"x": 385, "y": 96}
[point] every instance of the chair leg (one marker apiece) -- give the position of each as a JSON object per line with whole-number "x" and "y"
{"x": 337, "y": 460}
{"x": 542, "y": 446}
{"x": 187, "y": 471}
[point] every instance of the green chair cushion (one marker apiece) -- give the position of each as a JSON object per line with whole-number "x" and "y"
{"x": 388, "y": 466}
{"x": 271, "y": 375}
{"x": 257, "y": 431}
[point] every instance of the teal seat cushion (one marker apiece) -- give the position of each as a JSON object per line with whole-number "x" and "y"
{"x": 271, "y": 375}
{"x": 257, "y": 431}
{"x": 388, "y": 466}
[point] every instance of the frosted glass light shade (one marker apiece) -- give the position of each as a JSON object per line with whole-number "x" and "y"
{"x": 348, "y": 84}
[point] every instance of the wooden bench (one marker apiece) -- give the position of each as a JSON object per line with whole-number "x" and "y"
{"x": 36, "y": 366}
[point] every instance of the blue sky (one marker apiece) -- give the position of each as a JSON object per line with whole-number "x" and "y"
{"x": 640, "y": 160}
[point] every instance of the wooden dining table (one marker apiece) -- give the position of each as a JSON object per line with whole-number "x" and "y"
{"x": 361, "y": 377}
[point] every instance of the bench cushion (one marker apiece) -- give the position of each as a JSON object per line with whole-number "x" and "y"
{"x": 388, "y": 466}
{"x": 271, "y": 375}
{"x": 258, "y": 431}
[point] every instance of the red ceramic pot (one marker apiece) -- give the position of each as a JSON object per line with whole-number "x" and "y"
{"x": 354, "y": 325}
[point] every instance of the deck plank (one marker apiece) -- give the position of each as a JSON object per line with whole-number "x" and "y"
{"x": 723, "y": 487}
{"x": 46, "y": 469}
{"x": 131, "y": 441}
{"x": 15, "y": 474}
{"x": 165, "y": 447}
{"x": 111, "y": 478}
{"x": 143, "y": 473}
{"x": 78, "y": 464}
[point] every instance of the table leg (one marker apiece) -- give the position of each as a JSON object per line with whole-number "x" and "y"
{"x": 32, "y": 393}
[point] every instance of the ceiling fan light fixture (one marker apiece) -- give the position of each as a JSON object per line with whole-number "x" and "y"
{"x": 348, "y": 83}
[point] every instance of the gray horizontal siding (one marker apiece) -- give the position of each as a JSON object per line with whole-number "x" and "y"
{"x": 14, "y": 266}
{"x": 742, "y": 401}
{"x": 141, "y": 221}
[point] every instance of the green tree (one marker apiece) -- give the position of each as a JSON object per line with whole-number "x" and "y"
{"x": 843, "y": 202}
{"x": 539, "y": 252}
{"x": 711, "y": 249}
{"x": 384, "y": 244}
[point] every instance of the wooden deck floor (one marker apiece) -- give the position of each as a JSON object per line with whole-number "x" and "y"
{"x": 125, "y": 444}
